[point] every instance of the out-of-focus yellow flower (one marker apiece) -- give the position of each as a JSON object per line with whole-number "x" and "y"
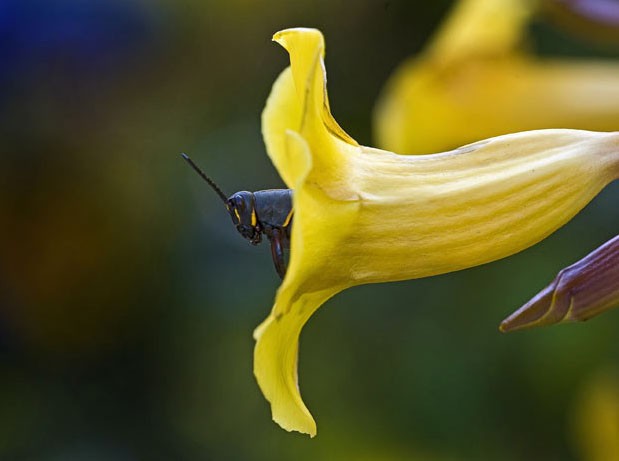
{"x": 474, "y": 81}
{"x": 595, "y": 419}
{"x": 363, "y": 215}
{"x": 579, "y": 292}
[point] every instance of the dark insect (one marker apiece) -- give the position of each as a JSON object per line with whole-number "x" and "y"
{"x": 266, "y": 212}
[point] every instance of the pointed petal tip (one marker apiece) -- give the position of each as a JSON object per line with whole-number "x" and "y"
{"x": 515, "y": 322}
{"x": 275, "y": 370}
{"x": 306, "y": 429}
{"x": 537, "y": 312}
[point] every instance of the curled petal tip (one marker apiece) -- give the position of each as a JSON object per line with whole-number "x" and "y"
{"x": 299, "y": 31}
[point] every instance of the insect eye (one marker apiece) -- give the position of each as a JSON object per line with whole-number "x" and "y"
{"x": 233, "y": 211}
{"x": 239, "y": 203}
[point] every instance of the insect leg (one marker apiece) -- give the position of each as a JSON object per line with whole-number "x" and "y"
{"x": 278, "y": 239}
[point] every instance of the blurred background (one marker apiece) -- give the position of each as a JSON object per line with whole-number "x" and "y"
{"x": 128, "y": 300}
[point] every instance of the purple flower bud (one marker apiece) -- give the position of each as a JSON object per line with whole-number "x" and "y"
{"x": 578, "y": 292}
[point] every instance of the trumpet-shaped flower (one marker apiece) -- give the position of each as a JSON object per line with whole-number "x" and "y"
{"x": 579, "y": 292}
{"x": 474, "y": 81}
{"x": 364, "y": 215}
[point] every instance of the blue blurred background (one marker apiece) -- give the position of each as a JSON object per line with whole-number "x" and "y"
{"x": 127, "y": 299}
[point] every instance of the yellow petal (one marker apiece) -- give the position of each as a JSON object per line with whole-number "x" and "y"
{"x": 282, "y": 113}
{"x": 480, "y": 27}
{"x": 276, "y": 356}
{"x": 473, "y": 82}
{"x": 298, "y": 102}
{"x": 365, "y": 215}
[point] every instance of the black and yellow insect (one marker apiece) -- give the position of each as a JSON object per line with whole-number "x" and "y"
{"x": 267, "y": 212}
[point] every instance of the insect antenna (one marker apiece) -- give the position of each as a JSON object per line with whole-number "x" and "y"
{"x": 211, "y": 183}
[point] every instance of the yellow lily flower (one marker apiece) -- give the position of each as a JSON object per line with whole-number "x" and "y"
{"x": 475, "y": 81}
{"x": 364, "y": 215}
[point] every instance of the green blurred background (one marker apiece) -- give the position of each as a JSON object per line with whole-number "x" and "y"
{"x": 127, "y": 299}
